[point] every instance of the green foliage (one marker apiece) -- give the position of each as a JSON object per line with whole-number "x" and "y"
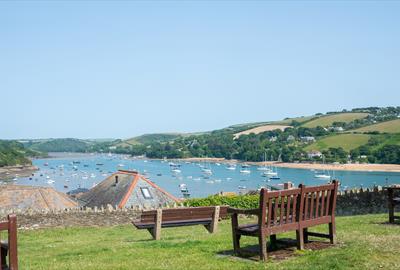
{"x": 60, "y": 145}
{"x": 14, "y": 153}
{"x": 239, "y": 201}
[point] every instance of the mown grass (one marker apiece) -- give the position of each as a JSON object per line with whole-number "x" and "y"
{"x": 325, "y": 121}
{"x": 346, "y": 141}
{"x": 365, "y": 243}
{"x": 392, "y": 126}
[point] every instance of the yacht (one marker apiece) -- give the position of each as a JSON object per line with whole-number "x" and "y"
{"x": 231, "y": 167}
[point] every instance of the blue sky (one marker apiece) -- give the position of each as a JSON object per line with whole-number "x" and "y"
{"x": 119, "y": 69}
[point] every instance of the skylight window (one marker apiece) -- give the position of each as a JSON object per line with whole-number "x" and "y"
{"x": 146, "y": 193}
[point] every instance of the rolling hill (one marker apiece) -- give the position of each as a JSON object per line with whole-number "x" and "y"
{"x": 392, "y": 126}
{"x": 346, "y": 141}
{"x": 261, "y": 129}
{"x": 328, "y": 120}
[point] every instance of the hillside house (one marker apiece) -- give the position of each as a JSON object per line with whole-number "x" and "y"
{"x": 307, "y": 139}
{"x": 314, "y": 154}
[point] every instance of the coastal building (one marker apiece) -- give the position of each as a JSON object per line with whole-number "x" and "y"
{"x": 291, "y": 138}
{"x": 314, "y": 154}
{"x": 307, "y": 139}
{"x": 13, "y": 197}
{"x": 125, "y": 189}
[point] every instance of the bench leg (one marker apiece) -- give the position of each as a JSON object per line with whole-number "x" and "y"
{"x": 235, "y": 236}
{"x": 157, "y": 227}
{"x": 272, "y": 239}
{"x": 391, "y": 205}
{"x": 300, "y": 239}
{"x": 332, "y": 232}
{"x": 305, "y": 235}
{"x": 262, "y": 241}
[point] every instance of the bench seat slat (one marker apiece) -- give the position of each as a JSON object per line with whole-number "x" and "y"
{"x": 165, "y": 224}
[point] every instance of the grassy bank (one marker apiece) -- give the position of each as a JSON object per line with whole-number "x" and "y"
{"x": 365, "y": 243}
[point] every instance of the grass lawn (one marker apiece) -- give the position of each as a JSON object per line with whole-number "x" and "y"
{"x": 364, "y": 243}
{"x": 325, "y": 121}
{"x": 392, "y": 126}
{"x": 346, "y": 141}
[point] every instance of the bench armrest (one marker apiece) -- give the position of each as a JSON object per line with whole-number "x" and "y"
{"x": 254, "y": 211}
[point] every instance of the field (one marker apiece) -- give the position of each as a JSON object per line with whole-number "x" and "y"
{"x": 300, "y": 119}
{"x": 346, "y": 141}
{"x": 261, "y": 129}
{"x": 365, "y": 242}
{"x": 328, "y": 120}
{"x": 392, "y": 126}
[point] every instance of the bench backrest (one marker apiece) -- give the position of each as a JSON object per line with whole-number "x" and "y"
{"x": 319, "y": 201}
{"x": 279, "y": 207}
{"x": 288, "y": 207}
{"x": 11, "y": 227}
{"x": 184, "y": 213}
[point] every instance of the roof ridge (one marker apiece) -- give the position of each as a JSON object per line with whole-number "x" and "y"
{"x": 130, "y": 190}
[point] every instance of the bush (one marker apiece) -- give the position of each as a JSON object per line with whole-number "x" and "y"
{"x": 236, "y": 201}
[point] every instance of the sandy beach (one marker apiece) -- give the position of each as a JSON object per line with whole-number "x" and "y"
{"x": 16, "y": 171}
{"x": 309, "y": 166}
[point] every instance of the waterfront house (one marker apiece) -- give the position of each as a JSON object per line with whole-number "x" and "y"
{"x": 126, "y": 189}
{"x": 314, "y": 154}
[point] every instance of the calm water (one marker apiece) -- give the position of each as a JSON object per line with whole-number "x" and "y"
{"x": 68, "y": 174}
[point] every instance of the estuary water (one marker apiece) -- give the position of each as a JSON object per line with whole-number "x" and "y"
{"x": 68, "y": 171}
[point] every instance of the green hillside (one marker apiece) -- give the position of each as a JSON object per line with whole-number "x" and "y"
{"x": 151, "y": 138}
{"x": 59, "y": 145}
{"x": 392, "y": 126}
{"x": 14, "y": 153}
{"x": 328, "y": 120}
{"x": 346, "y": 141}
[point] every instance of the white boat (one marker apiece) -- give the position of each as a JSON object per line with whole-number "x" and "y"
{"x": 264, "y": 167}
{"x": 50, "y": 181}
{"x": 322, "y": 176}
{"x": 231, "y": 167}
{"x": 206, "y": 171}
{"x": 176, "y": 170}
{"x": 245, "y": 171}
{"x": 270, "y": 173}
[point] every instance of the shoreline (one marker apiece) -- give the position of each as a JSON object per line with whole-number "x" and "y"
{"x": 307, "y": 166}
{"x": 9, "y": 172}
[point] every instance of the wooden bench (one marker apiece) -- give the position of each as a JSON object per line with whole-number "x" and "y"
{"x": 392, "y": 202}
{"x": 9, "y": 247}
{"x": 288, "y": 210}
{"x": 154, "y": 220}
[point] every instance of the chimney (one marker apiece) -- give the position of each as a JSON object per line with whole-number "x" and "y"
{"x": 288, "y": 185}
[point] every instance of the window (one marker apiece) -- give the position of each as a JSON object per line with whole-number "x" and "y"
{"x": 146, "y": 193}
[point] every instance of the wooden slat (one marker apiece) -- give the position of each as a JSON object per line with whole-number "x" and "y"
{"x": 289, "y": 202}
{"x": 312, "y": 205}
{"x": 275, "y": 213}
{"x": 269, "y": 221}
{"x": 317, "y": 203}
{"x": 294, "y": 208}
{"x": 320, "y": 188}
{"x": 305, "y": 211}
{"x": 328, "y": 200}
{"x": 323, "y": 198}
{"x": 282, "y": 210}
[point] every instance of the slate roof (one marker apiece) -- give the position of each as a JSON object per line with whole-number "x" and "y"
{"x": 35, "y": 198}
{"x": 126, "y": 192}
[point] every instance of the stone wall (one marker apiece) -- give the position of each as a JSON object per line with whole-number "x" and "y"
{"x": 362, "y": 201}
